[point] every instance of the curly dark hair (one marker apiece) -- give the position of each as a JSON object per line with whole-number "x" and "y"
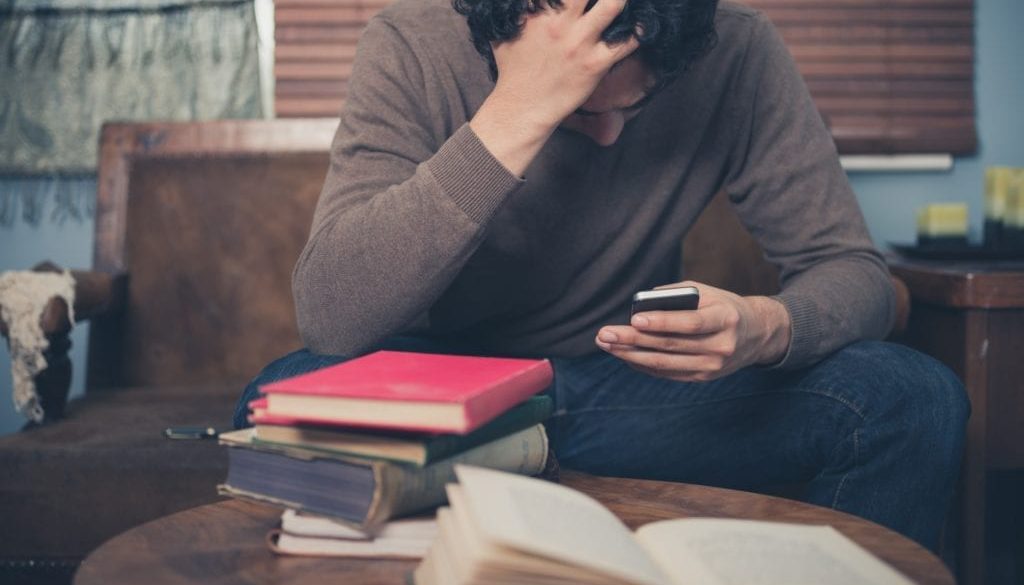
{"x": 674, "y": 33}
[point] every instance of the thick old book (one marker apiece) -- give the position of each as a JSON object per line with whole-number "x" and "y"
{"x": 500, "y": 528}
{"x": 363, "y": 492}
{"x": 415, "y": 448}
{"x": 307, "y": 535}
{"x": 409, "y": 391}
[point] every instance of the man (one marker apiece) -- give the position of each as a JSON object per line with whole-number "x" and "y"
{"x": 512, "y": 205}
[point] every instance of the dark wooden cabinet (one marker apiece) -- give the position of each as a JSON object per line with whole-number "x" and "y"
{"x": 970, "y": 315}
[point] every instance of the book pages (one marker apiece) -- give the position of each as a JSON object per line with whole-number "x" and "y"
{"x": 712, "y": 551}
{"x": 479, "y": 561}
{"x": 301, "y": 524}
{"x": 553, "y": 521}
{"x": 379, "y": 548}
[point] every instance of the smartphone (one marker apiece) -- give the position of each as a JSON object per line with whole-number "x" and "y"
{"x": 682, "y": 298}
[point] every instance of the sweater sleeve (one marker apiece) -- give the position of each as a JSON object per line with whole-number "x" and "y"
{"x": 790, "y": 191}
{"x": 404, "y": 205}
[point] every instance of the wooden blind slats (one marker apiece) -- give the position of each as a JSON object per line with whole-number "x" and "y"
{"x": 860, "y": 16}
{"x": 888, "y": 76}
{"x": 810, "y": 52}
{"x": 316, "y": 52}
{"x": 324, "y": 15}
{"x": 900, "y": 69}
{"x": 315, "y": 46}
{"x": 864, "y": 4}
{"x": 878, "y": 35}
{"x": 306, "y": 34}
{"x": 897, "y": 105}
{"x": 888, "y": 87}
{"x": 332, "y": 3}
{"x": 324, "y": 71}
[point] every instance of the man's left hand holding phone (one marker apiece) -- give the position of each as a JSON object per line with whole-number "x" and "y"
{"x": 724, "y": 333}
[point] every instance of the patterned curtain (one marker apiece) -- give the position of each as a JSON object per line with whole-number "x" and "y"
{"x": 67, "y": 66}
{"x": 53, "y": 199}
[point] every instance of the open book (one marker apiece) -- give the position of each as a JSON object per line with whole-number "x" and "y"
{"x": 501, "y": 528}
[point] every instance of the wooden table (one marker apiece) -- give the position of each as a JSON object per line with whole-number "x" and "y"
{"x": 223, "y": 543}
{"x": 970, "y": 316}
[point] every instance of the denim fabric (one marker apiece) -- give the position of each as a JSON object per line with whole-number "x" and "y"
{"x": 875, "y": 430}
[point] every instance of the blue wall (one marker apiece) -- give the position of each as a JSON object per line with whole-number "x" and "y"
{"x": 67, "y": 242}
{"x": 889, "y": 200}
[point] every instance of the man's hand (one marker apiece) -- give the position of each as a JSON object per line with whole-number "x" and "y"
{"x": 727, "y": 332}
{"x": 544, "y": 74}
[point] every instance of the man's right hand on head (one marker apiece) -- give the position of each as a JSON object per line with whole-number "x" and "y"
{"x": 544, "y": 74}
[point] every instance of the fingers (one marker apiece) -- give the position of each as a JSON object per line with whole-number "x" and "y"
{"x": 575, "y": 7}
{"x": 593, "y": 24}
{"x": 620, "y": 51}
{"x": 687, "y": 368}
{"x": 602, "y": 14}
{"x": 709, "y": 319}
{"x": 710, "y": 344}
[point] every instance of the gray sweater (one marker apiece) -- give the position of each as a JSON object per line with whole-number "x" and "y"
{"x": 420, "y": 229}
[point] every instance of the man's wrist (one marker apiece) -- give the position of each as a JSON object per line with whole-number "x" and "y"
{"x": 776, "y": 329}
{"x": 511, "y": 132}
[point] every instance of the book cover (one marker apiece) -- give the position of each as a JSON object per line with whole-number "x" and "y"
{"x": 409, "y": 391}
{"x": 363, "y": 492}
{"x": 415, "y": 448}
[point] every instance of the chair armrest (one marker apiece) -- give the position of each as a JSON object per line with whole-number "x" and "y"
{"x": 96, "y": 293}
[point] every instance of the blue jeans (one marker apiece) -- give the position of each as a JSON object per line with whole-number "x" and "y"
{"x": 875, "y": 430}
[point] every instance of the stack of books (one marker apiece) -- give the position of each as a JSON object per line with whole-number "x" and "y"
{"x": 378, "y": 437}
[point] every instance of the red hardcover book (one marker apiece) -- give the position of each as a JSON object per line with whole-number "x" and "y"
{"x": 408, "y": 391}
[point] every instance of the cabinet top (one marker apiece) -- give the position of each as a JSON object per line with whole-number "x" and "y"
{"x": 988, "y": 284}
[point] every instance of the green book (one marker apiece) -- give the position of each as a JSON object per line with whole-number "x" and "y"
{"x": 414, "y": 448}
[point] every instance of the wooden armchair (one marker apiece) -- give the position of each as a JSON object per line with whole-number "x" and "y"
{"x": 198, "y": 226}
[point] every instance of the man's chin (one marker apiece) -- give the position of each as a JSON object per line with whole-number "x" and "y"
{"x": 603, "y": 139}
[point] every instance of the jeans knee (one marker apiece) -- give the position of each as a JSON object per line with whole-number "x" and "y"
{"x": 925, "y": 397}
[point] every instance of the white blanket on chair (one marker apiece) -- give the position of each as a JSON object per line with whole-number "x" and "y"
{"x": 23, "y": 296}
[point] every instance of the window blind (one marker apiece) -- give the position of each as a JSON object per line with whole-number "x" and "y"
{"x": 315, "y": 43}
{"x": 889, "y": 76}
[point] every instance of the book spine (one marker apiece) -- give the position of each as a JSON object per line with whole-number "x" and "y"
{"x": 402, "y": 489}
{"x": 506, "y": 394}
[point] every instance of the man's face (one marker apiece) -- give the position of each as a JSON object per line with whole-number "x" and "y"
{"x": 619, "y": 97}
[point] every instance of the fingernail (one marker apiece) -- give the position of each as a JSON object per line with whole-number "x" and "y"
{"x": 608, "y": 337}
{"x": 640, "y": 321}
